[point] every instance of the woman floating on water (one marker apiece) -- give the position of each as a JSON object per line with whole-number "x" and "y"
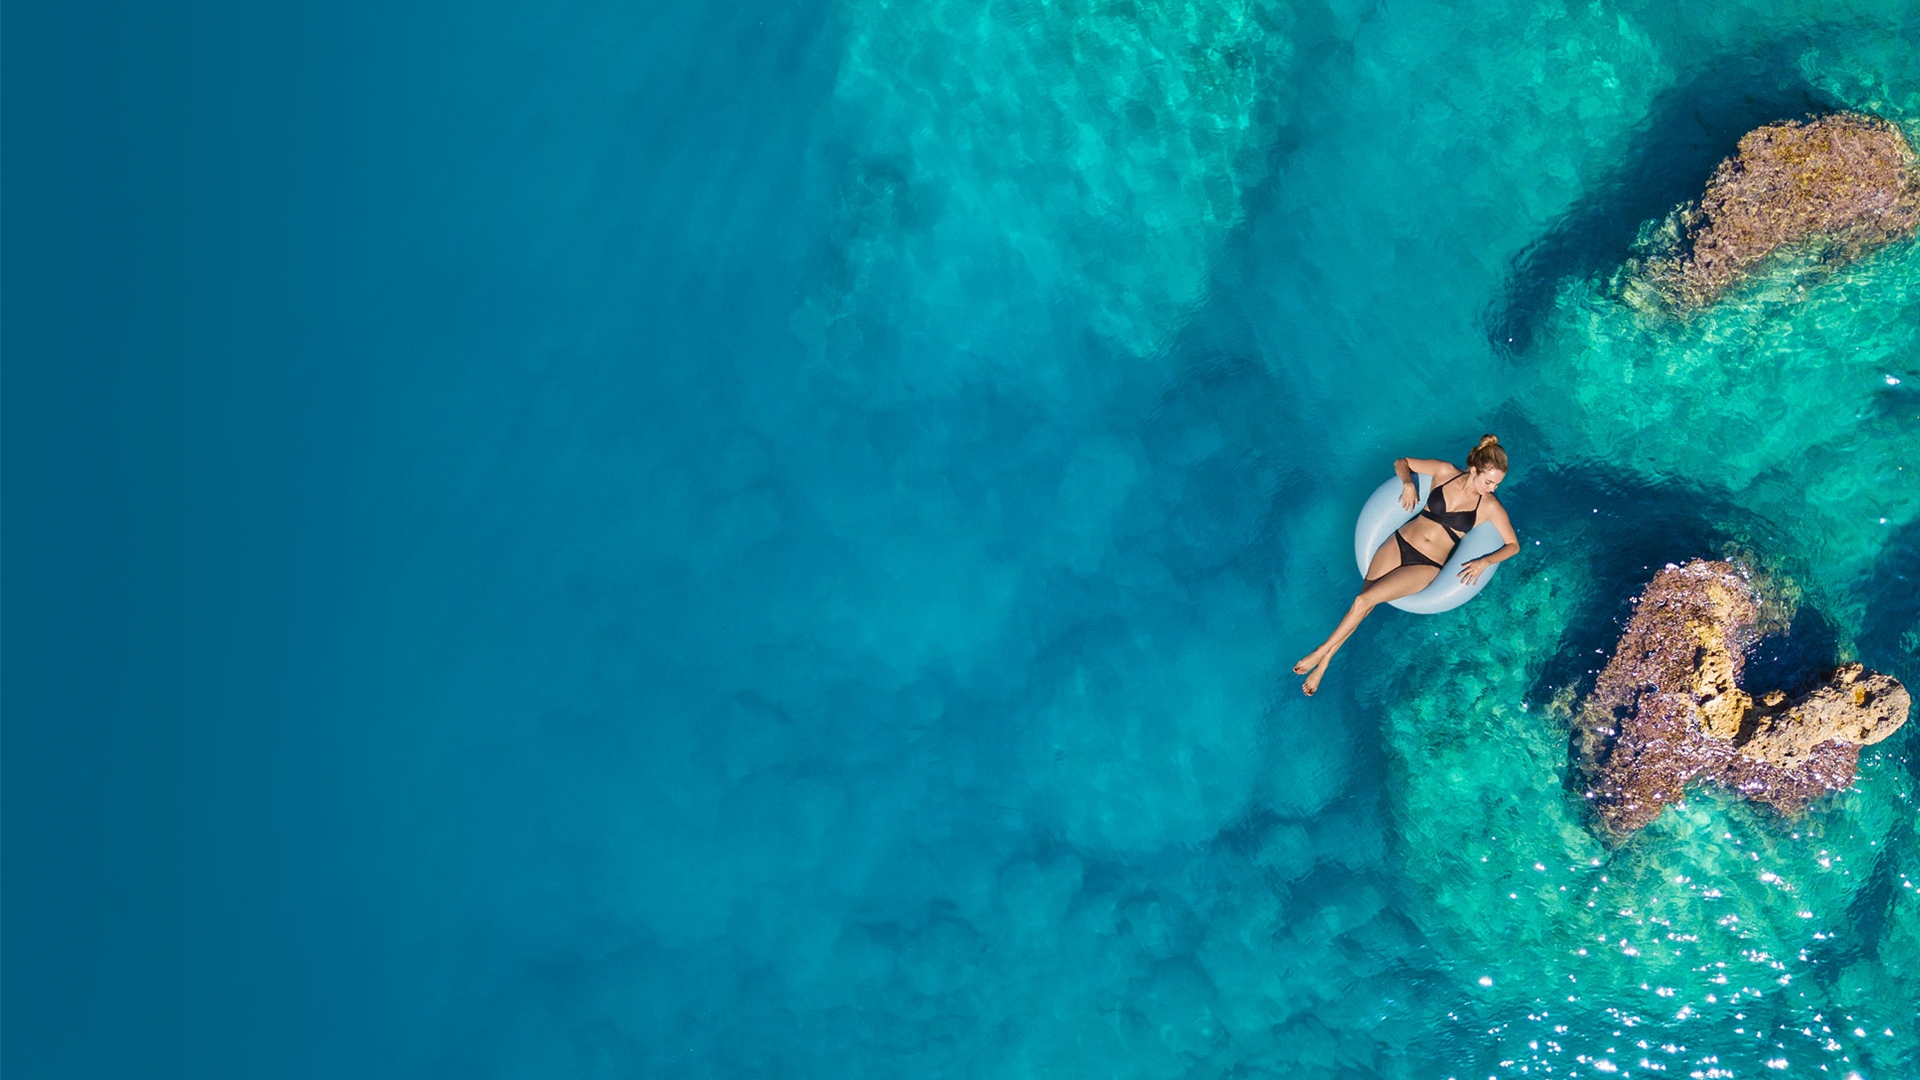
{"x": 1461, "y": 499}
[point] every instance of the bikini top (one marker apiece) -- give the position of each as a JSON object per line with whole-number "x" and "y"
{"x": 1456, "y": 522}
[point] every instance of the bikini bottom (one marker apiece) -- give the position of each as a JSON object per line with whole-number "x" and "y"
{"x": 1410, "y": 556}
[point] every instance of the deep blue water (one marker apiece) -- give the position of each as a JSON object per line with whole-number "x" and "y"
{"x": 326, "y": 332}
{"x": 575, "y": 541}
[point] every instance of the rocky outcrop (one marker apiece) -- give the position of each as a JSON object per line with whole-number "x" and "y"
{"x": 1856, "y": 706}
{"x": 1840, "y": 185}
{"x": 1669, "y": 711}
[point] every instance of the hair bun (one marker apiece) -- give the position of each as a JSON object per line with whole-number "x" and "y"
{"x": 1489, "y": 440}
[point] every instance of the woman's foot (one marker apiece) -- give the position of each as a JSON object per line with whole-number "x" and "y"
{"x": 1308, "y": 662}
{"x": 1312, "y": 685}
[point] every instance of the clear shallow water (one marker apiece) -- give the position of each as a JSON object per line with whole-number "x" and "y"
{"x": 769, "y": 542}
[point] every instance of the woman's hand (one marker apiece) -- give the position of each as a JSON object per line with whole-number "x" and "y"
{"x": 1409, "y": 496}
{"x": 1471, "y": 570}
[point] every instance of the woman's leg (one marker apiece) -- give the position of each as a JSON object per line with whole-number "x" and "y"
{"x": 1404, "y": 581}
{"x": 1386, "y": 559}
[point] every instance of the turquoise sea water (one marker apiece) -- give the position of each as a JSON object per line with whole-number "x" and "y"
{"x": 767, "y": 540}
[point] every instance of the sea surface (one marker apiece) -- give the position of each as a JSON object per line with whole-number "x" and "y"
{"x": 753, "y": 539}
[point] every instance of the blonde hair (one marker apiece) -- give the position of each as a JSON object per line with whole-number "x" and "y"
{"x": 1487, "y": 456}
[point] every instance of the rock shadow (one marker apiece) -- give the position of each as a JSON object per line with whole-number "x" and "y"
{"x": 1688, "y": 131}
{"x": 1867, "y": 918}
{"x": 1890, "y": 633}
{"x": 1641, "y": 526}
{"x": 1795, "y": 661}
{"x": 1890, "y": 641}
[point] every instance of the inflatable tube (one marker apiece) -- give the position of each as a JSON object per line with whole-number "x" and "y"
{"x": 1382, "y": 517}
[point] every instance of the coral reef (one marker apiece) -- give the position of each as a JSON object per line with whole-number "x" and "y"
{"x": 1668, "y": 709}
{"x": 1837, "y": 187}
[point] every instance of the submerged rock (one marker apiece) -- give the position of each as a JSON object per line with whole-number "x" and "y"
{"x": 1089, "y": 156}
{"x": 1668, "y": 710}
{"x": 1840, "y": 185}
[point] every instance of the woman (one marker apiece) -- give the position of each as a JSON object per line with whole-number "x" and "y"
{"x": 1461, "y": 499}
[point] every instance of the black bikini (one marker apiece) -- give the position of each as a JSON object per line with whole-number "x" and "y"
{"x": 1456, "y": 522}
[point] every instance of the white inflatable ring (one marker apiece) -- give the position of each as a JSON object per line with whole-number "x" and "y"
{"x": 1382, "y": 517}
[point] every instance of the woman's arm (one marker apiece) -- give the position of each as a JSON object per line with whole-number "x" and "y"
{"x": 1405, "y": 467}
{"x": 1471, "y": 570}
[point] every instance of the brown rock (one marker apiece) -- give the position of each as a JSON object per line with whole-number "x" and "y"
{"x": 1840, "y": 185}
{"x": 1857, "y": 706}
{"x": 1668, "y": 709}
